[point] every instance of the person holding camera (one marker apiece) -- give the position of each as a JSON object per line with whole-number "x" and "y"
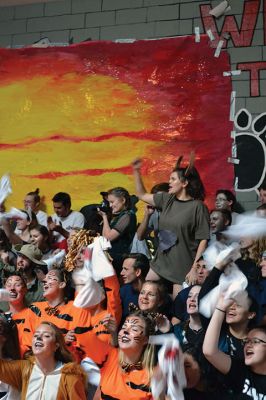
{"x": 122, "y": 227}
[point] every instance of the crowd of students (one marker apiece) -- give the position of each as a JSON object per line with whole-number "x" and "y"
{"x": 83, "y": 292}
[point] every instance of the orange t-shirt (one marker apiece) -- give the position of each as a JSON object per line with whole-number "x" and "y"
{"x": 133, "y": 385}
{"x": 67, "y": 318}
{"x": 115, "y": 383}
{"x": 114, "y": 307}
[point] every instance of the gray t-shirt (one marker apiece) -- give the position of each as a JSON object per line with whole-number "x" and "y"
{"x": 188, "y": 222}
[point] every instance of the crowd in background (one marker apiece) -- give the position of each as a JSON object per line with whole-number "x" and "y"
{"x": 83, "y": 292}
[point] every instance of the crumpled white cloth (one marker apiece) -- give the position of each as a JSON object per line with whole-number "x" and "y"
{"x": 96, "y": 264}
{"x": 96, "y": 267}
{"x": 55, "y": 259}
{"x": 5, "y": 188}
{"x": 218, "y": 252}
{"x": 89, "y": 295}
{"x": 92, "y": 370}
{"x": 14, "y": 213}
{"x": 171, "y": 364}
{"x": 232, "y": 283}
{"x": 247, "y": 225}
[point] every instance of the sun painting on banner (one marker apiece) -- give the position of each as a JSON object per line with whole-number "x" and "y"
{"x": 73, "y": 118}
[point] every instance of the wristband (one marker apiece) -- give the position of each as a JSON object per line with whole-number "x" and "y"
{"x": 216, "y": 308}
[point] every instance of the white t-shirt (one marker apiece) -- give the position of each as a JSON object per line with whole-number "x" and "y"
{"x": 74, "y": 220}
{"x": 42, "y": 218}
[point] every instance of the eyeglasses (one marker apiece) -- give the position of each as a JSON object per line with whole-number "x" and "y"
{"x": 253, "y": 341}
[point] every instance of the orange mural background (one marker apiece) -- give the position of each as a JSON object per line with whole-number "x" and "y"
{"x": 73, "y": 118}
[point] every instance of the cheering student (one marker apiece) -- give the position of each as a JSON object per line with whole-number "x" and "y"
{"x": 50, "y": 373}
{"x": 183, "y": 223}
{"x": 246, "y": 378}
{"x": 125, "y": 371}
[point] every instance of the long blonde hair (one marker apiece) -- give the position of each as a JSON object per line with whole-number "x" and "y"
{"x": 148, "y": 355}
{"x": 255, "y": 251}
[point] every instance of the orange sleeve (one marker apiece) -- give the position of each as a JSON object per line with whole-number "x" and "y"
{"x": 114, "y": 305}
{"x": 93, "y": 347}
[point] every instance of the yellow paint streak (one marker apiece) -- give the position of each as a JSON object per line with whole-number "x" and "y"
{"x": 73, "y": 105}
{"x": 66, "y": 156}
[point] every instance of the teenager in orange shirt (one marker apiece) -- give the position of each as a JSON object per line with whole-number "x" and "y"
{"x": 18, "y": 311}
{"x": 110, "y": 303}
{"x": 57, "y": 309}
{"x": 126, "y": 370}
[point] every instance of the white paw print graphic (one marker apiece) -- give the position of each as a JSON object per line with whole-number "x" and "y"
{"x": 249, "y": 150}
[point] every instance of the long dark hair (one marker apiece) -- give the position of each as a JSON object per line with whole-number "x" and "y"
{"x": 189, "y": 173}
{"x": 44, "y": 232}
{"x": 4, "y": 242}
{"x": 31, "y": 217}
{"x": 9, "y": 330}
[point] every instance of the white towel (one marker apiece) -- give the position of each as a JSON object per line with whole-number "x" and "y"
{"x": 232, "y": 283}
{"x": 171, "y": 364}
{"x": 247, "y": 225}
{"x": 96, "y": 267}
{"x": 55, "y": 259}
{"x": 5, "y": 188}
{"x": 15, "y": 213}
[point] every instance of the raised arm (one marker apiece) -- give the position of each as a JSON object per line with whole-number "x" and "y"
{"x": 143, "y": 228}
{"x": 114, "y": 306}
{"x": 108, "y": 232}
{"x": 11, "y": 235}
{"x": 140, "y": 188}
{"x": 217, "y": 358}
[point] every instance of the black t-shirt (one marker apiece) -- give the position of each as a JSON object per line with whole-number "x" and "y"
{"x": 235, "y": 346}
{"x": 246, "y": 384}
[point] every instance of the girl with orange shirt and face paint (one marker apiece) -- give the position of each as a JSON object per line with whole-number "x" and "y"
{"x": 126, "y": 370}
{"x": 58, "y": 310}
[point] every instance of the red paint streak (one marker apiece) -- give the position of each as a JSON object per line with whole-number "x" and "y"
{"x": 89, "y": 172}
{"x": 143, "y": 135}
{"x": 241, "y": 37}
{"x": 254, "y": 68}
{"x": 148, "y": 165}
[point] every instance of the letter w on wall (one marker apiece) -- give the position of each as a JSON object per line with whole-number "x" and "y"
{"x": 241, "y": 37}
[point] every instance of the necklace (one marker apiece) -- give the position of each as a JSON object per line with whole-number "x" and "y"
{"x": 53, "y": 310}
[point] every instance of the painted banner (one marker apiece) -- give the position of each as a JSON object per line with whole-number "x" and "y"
{"x": 73, "y": 118}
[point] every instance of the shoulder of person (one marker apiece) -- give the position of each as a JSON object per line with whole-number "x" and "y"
{"x": 199, "y": 203}
{"x": 40, "y": 212}
{"x": 76, "y": 213}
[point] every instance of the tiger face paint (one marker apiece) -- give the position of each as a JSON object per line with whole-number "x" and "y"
{"x": 132, "y": 334}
